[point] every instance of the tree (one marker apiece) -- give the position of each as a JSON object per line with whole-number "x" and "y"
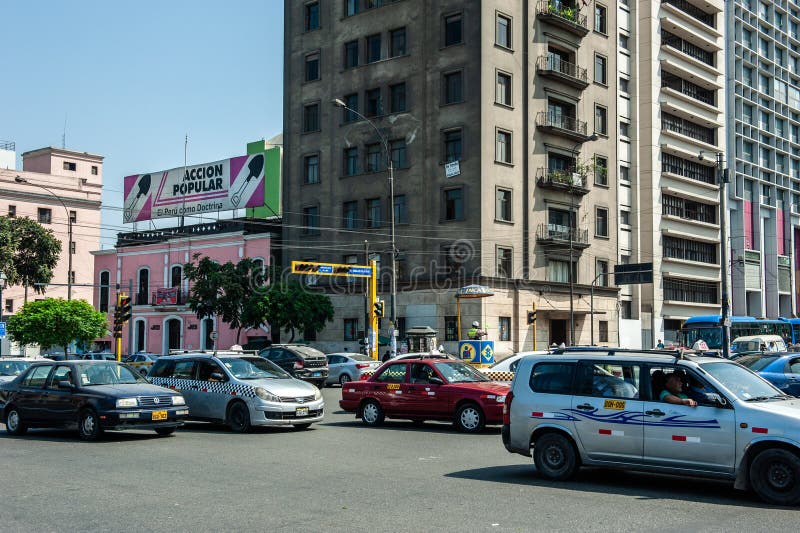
{"x": 7, "y": 246}
{"x": 57, "y": 322}
{"x": 290, "y": 306}
{"x": 33, "y": 250}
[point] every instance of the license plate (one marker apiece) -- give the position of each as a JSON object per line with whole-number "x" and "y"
{"x": 159, "y": 415}
{"x": 301, "y": 411}
{"x": 315, "y": 374}
{"x": 617, "y": 405}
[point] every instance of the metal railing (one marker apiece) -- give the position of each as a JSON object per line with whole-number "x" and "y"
{"x": 557, "y": 232}
{"x": 688, "y": 209}
{"x": 553, "y": 120}
{"x": 563, "y": 10}
{"x": 687, "y": 48}
{"x": 688, "y": 88}
{"x": 556, "y": 64}
{"x": 567, "y": 178}
{"x": 208, "y": 228}
{"x": 693, "y": 11}
{"x": 681, "y": 290}
{"x": 688, "y": 128}
{"x": 8, "y": 145}
{"x": 688, "y": 169}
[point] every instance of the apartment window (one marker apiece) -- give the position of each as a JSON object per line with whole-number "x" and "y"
{"x": 10, "y": 305}
{"x": 602, "y": 330}
{"x": 503, "y": 205}
{"x": 558, "y": 271}
{"x": 351, "y": 54}
{"x": 601, "y": 170}
{"x": 311, "y": 19}
{"x": 373, "y": 103}
{"x": 373, "y": 48}
{"x": 454, "y": 204}
{"x": 625, "y": 218}
{"x": 601, "y": 273}
{"x": 312, "y": 66}
{"x": 623, "y": 41}
{"x": 452, "y": 87}
{"x": 311, "y": 220}
{"x": 374, "y": 213}
{"x": 504, "y": 322}
{"x": 374, "y": 161}
{"x": 689, "y": 250}
{"x": 453, "y": 30}
{"x": 503, "y": 262}
{"x": 624, "y": 129}
{"x": 94, "y": 170}
{"x": 311, "y": 118}
{"x": 350, "y": 161}
{"x": 350, "y": 215}
{"x": 311, "y": 169}
{"x": 350, "y": 7}
{"x": 400, "y": 209}
{"x": 626, "y": 310}
{"x": 503, "y": 92}
{"x": 397, "y": 97}
{"x": 73, "y": 217}
{"x": 348, "y": 112}
{"x": 399, "y": 152}
{"x": 625, "y": 174}
{"x": 70, "y": 166}
{"x": 600, "y": 19}
{"x": 503, "y": 31}
{"x": 600, "y": 69}
{"x": 12, "y": 211}
{"x": 600, "y": 120}
{"x": 45, "y": 216}
{"x": 503, "y": 148}
{"x": 351, "y": 329}
{"x": 72, "y": 247}
{"x": 601, "y": 222}
{"x": 624, "y": 85}
{"x": 105, "y": 289}
{"x": 397, "y": 42}
{"x": 683, "y": 290}
{"x": 452, "y": 146}
{"x": 451, "y": 328}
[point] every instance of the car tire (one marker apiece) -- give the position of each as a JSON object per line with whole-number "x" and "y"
{"x": 555, "y": 457}
{"x": 89, "y": 425}
{"x": 775, "y": 476}
{"x": 14, "y": 424}
{"x": 470, "y": 418}
{"x": 372, "y": 413}
{"x": 301, "y": 427}
{"x": 165, "y": 432}
{"x": 239, "y": 417}
{"x": 344, "y": 378}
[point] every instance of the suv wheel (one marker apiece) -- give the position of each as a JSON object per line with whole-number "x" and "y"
{"x": 775, "y": 476}
{"x": 555, "y": 457}
{"x": 469, "y": 418}
{"x": 372, "y": 413}
{"x": 239, "y": 417}
{"x": 14, "y": 424}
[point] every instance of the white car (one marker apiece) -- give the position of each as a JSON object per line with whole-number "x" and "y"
{"x": 11, "y": 367}
{"x": 509, "y": 364}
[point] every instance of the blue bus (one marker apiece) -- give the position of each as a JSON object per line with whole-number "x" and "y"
{"x": 707, "y": 328}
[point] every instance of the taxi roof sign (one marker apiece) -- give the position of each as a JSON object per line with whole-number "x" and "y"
{"x": 331, "y": 269}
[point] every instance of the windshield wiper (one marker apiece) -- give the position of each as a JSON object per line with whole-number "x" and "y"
{"x": 759, "y": 399}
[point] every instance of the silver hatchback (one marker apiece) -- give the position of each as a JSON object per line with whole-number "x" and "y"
{"x": 239, "y": 390}
{"x": 657, "y": 412}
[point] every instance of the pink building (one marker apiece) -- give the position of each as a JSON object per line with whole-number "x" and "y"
{"x": 148, "y": 265}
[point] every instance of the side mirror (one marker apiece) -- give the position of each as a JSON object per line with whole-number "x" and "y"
{"x": 715, "y": 399}
{"x": 435, "y": 381}
{"x": 65, "y": 385}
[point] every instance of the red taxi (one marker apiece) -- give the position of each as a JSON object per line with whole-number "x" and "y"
{"x": 427, "y": 389}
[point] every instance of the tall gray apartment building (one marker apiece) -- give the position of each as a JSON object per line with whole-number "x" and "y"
{"x": 500, "y": 118}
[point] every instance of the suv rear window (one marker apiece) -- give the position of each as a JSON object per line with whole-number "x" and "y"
{"x": 552, "y": 378}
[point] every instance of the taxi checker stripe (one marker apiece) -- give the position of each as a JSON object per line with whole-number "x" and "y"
{"x": 234, "y": 389}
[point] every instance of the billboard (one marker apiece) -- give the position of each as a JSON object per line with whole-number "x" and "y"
{"x": 232, "y": 183}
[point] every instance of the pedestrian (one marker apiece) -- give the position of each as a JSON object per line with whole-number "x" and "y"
{"x": 660, "y": 344}
{"x": 475, "y": 333}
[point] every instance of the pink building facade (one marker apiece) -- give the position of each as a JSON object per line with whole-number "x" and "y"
{"x": 149, "y": 266}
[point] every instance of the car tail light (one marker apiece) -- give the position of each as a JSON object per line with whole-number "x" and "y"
{"x": 507, "y": 408}
{"x": 363, "y": 365}
{"x": 363, "y": 377}
{"x": 299, "y": 364}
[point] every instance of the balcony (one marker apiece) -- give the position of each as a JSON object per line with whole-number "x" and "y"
{"x": 687, "y": 128}
{"x": 562, "y": 15}
{"x": 569, "y": 127}
{"x": 168, "y": 297}
{"x": 692, "y": 10}
{"x": 691, "y": 50}
{"x": 563, "y": 180}
{"x": 554, "y": 67}
{"x": 558, "y": 237}
{"x": 688, "y": 88}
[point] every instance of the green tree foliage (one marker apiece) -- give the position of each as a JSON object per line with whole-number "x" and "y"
{"x": 290, "y": 306}
{"x": 57, "y": 322}
{"x": 28, "y": 253}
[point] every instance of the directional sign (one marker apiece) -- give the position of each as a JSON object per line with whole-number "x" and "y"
{"x": 331, "y": 269}
{"x": 2, "y": 330}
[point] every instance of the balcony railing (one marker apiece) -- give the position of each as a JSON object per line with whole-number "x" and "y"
{"x": 693, "y": 11}
{"x": 566, "y": 180}
{"x": 688, "y": 169}
{"x": 552, "y": 65}
{"x": 563, "y": 124}
{"x": 688, "y": 128}
{"x": 556, "y": 234}
{"x": 563, "y": 14}
{"x": 681, "y": 290}
{"x": 688, "y": 88}
{"x": 692, "y": 50}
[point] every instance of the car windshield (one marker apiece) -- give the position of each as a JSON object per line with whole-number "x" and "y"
{"x": 756, "y": 362}
{"x": 253, "y": 368}
{"x": 458, "y": 372}
{"x": 742, "y": 382}
{"x": 13, "y": 368}
{"x": 108, "y": 374}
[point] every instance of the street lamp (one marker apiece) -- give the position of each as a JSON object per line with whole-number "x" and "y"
{"x": 390, "y": 168}
{"x": 2, "y": 286}
{"x": 722, "y": 179}
{"x": 20, "y": 179}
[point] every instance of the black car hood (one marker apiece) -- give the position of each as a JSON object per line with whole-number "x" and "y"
{"x": 129, "y": 390}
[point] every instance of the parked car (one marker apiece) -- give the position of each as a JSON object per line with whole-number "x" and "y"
{"x": 427, "y": 389}
{"x": 11, "y": 367}
{"x": 240, "y": 390}
{"x": 93, "y": 395}
{"x": 780, "y": 369}
{"x": 99, "y": 356}
{"x": 344, "y": 367}
{"x": 758, "y": 343}
{"x": 142, "y": 361}
{"x": 299, "y": 360}
{"x": 604, "y": 408}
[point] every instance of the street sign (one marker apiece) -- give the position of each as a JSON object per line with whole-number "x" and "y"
{"x": 2, "y": 330}
{"x": 633, "y": 274}
{"x": 331, "y": 269}
{"x": 213, "y": 335}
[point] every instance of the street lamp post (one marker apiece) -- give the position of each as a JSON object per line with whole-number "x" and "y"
{"x": 2, "y": 286}
{"x": 390, "y": 169}
{"x": 20, "y": 179}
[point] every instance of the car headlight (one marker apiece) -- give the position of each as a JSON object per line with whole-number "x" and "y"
{"x": 500, "y": 399}
{"x": 318, "y": 395}
{"x": 178, "y": 400}
{"x": 127, "y": 402}
{"x": 266, "y": 395}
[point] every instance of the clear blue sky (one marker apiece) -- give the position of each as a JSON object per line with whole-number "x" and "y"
{"x": 133, "y": 78}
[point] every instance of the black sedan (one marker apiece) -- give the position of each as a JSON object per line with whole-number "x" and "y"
{"x": 92, "y": 395}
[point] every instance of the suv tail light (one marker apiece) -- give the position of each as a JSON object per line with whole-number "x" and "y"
{"x": 363, "y": 365}
{"x": 299, "y": 364}
{"x": 507, "y": 408}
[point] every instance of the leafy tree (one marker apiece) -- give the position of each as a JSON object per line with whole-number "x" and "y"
{"x": 290, "y": 306}
{"x": 33, "y": 251}
{"x": 57, "y": 322}
{"x": 7, "y": 246}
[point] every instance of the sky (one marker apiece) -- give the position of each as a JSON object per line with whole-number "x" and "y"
{"x": 132, "y": 79}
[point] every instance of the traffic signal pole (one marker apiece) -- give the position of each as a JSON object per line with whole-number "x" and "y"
{"x": 373, "y": 297}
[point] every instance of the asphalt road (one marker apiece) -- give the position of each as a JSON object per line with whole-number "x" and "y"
{"x": 340, "y": 476}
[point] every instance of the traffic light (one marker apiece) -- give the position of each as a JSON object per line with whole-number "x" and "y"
{"x": 125, "y": 308}
{"x": 378, "y": 308}
{"x": 531, "y": 317}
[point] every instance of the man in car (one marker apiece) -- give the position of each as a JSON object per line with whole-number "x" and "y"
{"x": 673, "y": 393}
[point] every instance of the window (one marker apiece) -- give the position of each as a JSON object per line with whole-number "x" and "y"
{"x": 600, "y": 120}
{"x": 105, "y": 289}
{"x": 625, "y": 174}
{"x": 690, "y": 250}
{"x": 453, "y": 30}
{"x": 73, "y": 217}
{"x": 626, "y": 310}
{"x": 68, "y": 165}
{"x": 624, "y": 85}
{"x": 94, "y": 170}
{"x": 397, "y": 97}
{"x": 552, "y": 378}
{"x": 452, "y": 88}
{"x": 351, "y": 329}
{"x": 558, "y": 271}
{"x": 350, "y": 215}
{"x": 503, "y": 31}
{"x": 351, "y": 103}
{"x": 144, "y": 287}
{"x": 451, "y": 328}
{"x": 503, "y": 148}
{"x": 374, "y": 161}
{"x": 397, "y": 42}
{"x": 311, "y": 220}
{"x": 45, "y": 216}
{"x": 312, "y": 66}
{"x": 12, "y": 211}
{"x": 601, "y": 273}
{"x": 624, "y": 129}
{"x": 454, "y": 204}
{"x": 311, "y": 19}
{"x": 600, "y": 19}
{"x": 400, "y": 209}
{"x": 37, "y": 377}
{"x": 623, "y": 41}
{"x": 504, "y": 323}
{"x": 601, "y": 171}
{"x": 503, "y": 205}
{"x": 373, "y": 48}
{"x": 350, "y": 161}
{"x": 374, "y": 213}
{"x": 10, "y": 306}
{"x": 350, "y": 7}
{"x": 399, "y": 152}
{"x": 600, "y": 69}
{"x": 373, "y": 106}
{"x": 504, "y": 263}
{"x": 625, "y": 218}
{"x": 72, "y": 247}
{"x": 452, "y": 146}
{"x": 503, "y": 92}
{"x": 351, "y": 54}
{"x": 394, "y": 373}
{"x": 601, "y": 222}
{"x": 311, "y": 118}
{"x": 311, "y": 169}
{"x": 609, "y": 380}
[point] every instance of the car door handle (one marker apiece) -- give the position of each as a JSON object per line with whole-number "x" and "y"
{"x": 585, "y": 407}
{"x": 656, "y": 412}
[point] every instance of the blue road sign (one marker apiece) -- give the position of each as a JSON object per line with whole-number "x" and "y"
{"x": 2, "y": 329}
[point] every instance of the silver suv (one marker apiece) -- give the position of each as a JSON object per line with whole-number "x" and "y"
{"x": 604, "y": 408}
{"x": 239, "y": 389}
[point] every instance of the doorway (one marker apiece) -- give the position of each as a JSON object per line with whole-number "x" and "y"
{"x": 173, "y": 334}
{"x": 558, "y": 332}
